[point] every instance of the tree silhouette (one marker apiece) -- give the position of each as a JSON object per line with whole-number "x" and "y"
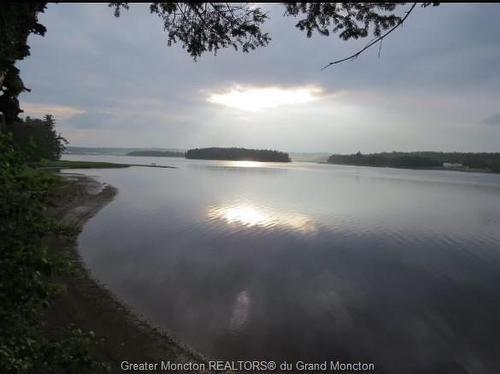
{"x": 237, "y": 154}
{"x": 37, "y": 138}
{"x": 17, "y": 22}
{"x": 202, "y": 27}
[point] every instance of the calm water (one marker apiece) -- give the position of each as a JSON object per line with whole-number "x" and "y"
{"x": 307, "y": 261}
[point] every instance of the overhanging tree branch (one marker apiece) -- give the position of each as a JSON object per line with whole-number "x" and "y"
{"x": 373, "y": 42}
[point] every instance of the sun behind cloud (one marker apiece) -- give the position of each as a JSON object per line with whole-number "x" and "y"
{"x": 259, "y": 98}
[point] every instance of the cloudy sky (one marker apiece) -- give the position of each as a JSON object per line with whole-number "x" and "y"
{"x": 115, "y": 82}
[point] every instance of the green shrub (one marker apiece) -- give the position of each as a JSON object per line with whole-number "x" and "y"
{"x": 26, "y": 288}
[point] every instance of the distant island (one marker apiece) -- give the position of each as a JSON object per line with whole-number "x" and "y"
{"x": 153, "y": 153}
{"x": 237, "y": 154}
{"x": 422, "y": 160}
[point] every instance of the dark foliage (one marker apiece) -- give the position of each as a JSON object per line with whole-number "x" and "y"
{"x": 237, "y": 154}
{"x": 482, "y": 160}
{"x": 486, "y": 161}
{"x": 37, "y": 138}
{"x": 26, "y": 272}
{"x": 350, "y": 20}
{"x": 384, "y": 159}
{"x": 202, "y": 27}
{"x": 17, "y": 21}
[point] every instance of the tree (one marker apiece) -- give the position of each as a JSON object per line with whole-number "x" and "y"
{"x": 37, "y": 139}
{"x": 17, "y": 22}
{"x": 26, "y": 275}
{"x": 202, "y": 27}
{"x": 351, "y": 21}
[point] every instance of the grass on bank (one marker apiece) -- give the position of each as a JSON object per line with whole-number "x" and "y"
{"x": 65, "y": 164}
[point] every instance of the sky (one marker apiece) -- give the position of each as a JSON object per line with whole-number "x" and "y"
{"x": 115, "y": 82}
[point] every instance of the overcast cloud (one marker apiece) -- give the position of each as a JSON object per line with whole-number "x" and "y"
{"x": 115, "y": 82}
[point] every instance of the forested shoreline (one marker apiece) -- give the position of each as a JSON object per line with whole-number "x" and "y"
{"x": 36, "y": 139}
{"x": 29, "y": 269}
{"x": 415, "y": 160}
{"x": 237, "y": 154}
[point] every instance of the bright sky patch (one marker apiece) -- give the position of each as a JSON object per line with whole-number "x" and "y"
{"x": 259, "y": 98}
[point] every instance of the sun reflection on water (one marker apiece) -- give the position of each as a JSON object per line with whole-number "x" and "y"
{"x": 253, "y": 216}
{"x": 244, "y": 164}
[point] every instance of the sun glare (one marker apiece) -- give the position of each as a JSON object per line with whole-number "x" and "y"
{"x": 258, "y": 98}
{"x": 244, "y": 164}
{"x": 252, "y": 216}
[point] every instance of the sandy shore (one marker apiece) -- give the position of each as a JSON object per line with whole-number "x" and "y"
{"x": 121, "y": 336}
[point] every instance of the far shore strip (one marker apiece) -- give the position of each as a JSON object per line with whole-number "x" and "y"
{"x": 66, "y": 164}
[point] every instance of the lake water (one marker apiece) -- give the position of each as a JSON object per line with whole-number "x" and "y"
{"x": 311, "y": 262}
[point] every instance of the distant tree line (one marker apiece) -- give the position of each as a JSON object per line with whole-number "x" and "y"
{"x": 237, "y": 154}
{"x": 485, "y": 161}
{"x": 36, "y": 138}
{"x": 153, "y": 153}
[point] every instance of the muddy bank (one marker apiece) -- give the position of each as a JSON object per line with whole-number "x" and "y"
{"x": 121, "y": 336}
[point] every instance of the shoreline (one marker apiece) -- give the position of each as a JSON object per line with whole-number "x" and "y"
{"x": 89, "y": 305}
{"x": 67, "y": 164}
{"x": 439, "y": 168}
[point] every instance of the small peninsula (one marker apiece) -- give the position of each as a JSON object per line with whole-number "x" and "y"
{"x": 237, "y": 154}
